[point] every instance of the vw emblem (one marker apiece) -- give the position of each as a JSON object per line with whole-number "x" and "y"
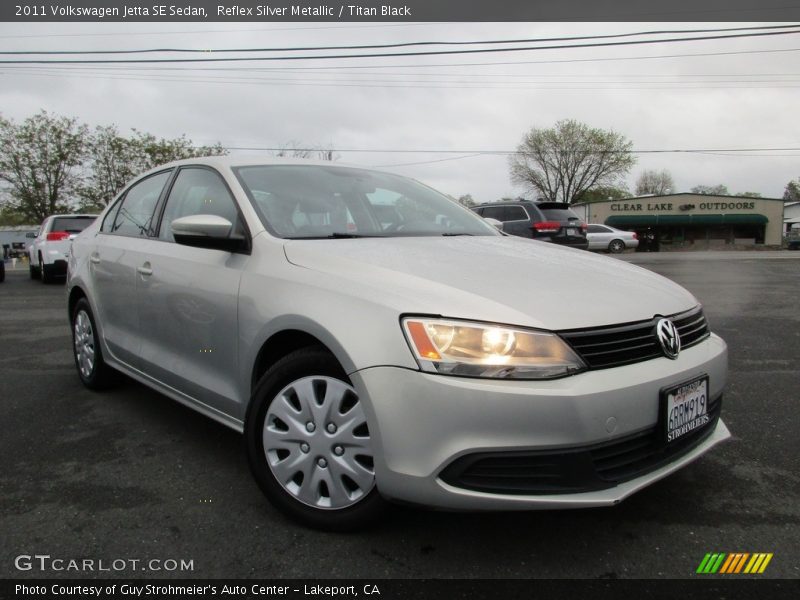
{"x": 668, "y": 338}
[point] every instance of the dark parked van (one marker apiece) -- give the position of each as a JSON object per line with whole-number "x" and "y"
{"x": 545, "y": 221}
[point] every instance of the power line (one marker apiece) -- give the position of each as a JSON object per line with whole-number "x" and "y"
{"x": 468, "y": 85}
{"x": 434, "y": 65}
{"x": 400, "y": 54}
{"x": 397, "y": 44}
{"x": 323, "y": 71}
{"x": 509, "y": 152}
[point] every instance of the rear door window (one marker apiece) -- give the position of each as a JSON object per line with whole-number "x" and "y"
{"x": 559, "y": 214}
{"x": 135, "y": 215}
{"x": 515, "y": 213}
{"x": 72, "y": 224}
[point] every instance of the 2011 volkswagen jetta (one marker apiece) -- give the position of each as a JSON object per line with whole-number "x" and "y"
{"x": 375, "y": 340}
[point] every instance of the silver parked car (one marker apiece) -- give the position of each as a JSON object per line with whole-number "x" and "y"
{"x": 374, "y": 341}
{"x": 605, "y": 237}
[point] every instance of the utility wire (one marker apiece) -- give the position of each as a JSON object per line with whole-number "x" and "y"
{"x": 422, "y": 66}
{"x": 400, "y": 54}
{"x": 397, "y": 44}
{"x": 470, "y": 85}
{"x": 508, "y": 152}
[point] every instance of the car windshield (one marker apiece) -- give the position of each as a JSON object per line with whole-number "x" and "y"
{"x": 72, "y": 224}
{"x": 309, "y": 201}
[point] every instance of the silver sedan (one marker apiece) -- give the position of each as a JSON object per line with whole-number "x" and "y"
{"x": 374, "y": 340}
{"x": 610, "y": 239}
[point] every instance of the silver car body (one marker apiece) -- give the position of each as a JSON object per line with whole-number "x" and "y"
{"x": 192, "y": 323}
{"x": 600, "y": 236}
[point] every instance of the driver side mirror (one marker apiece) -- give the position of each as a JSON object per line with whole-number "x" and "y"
{"x": 206, "y": 231}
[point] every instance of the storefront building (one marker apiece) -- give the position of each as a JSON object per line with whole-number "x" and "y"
{"x": 693, "y": 220}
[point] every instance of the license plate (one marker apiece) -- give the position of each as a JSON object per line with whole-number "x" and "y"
{"x": 685, "y": 408}
{"x": 572, "y": 231}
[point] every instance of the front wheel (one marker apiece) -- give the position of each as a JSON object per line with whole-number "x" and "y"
{"x": 616, "y": 246}
{"x": 309, "y": 445}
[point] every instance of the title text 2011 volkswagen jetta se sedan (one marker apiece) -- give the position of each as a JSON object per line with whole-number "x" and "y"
{"x": 375, "y": 340}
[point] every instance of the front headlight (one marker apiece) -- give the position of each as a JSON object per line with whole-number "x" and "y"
{"x": 474, "y": 349}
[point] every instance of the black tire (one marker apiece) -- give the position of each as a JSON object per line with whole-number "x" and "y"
{"x": 34, "y": 271}
{"x": 2, "y": 271}
{"x": 306, "y": 362}
{"x": 46, "y": 276}
{"x": 616, "y": 246}
{"x": 100, "y": 376}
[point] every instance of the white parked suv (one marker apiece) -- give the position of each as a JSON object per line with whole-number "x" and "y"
{"x": 49, "y": 250}
{"x": 374, "y": 340}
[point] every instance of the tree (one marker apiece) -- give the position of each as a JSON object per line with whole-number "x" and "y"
{"x": 561, "y": 163}
{"x": 116, "y": 159}
{"x": 709, "y": 190}
{"x": 603, "y": 194}
{"x": 294, "y": 149}
{"x": 467, "y": 200}
{"x": 39, "y": 160}
{"x": 792, "y": 192}
{"x": 749, "y": 195}
{"x": 657, "y": 183}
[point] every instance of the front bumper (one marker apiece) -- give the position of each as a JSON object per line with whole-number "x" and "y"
{"x": 421, "y": 423}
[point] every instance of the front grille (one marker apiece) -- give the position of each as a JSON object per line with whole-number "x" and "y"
{"x": 574, "y": 470}
{"x": 606, "y": 347}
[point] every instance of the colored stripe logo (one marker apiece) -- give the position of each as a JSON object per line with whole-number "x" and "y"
{"x": 734, "y": 562}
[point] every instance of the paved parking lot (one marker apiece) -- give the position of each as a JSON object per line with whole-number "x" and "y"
{"x": 130, "y": 474}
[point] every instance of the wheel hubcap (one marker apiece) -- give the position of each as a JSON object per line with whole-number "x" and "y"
{"x": 317, "y": 443}
{"x": 84, "y": 343}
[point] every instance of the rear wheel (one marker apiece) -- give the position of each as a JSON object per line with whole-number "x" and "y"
{"x": 309, "y": 445}
{"x": 33, "y": 271}
{"x": 616, "y": 246}
{"x": 92, "y": 369}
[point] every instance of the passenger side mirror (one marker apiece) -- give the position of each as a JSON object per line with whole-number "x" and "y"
{"x": 494, "y": 222}
{"x": 206, "y": 231}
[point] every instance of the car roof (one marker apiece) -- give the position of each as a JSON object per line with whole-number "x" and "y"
{"x": 237, "y": 160}
{"x": 94, "y": 216}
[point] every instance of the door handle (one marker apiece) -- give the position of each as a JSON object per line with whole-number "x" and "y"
{"x": 145, "y": 269}
{"x": 95, "y": 259}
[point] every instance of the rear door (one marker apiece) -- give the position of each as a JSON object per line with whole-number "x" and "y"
{"x": 115, "y": 262}
{"x": 515, "y": 218}
{"x": 189, "y": 297}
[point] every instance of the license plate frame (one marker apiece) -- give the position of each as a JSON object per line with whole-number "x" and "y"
{"x": 677, "y": 426}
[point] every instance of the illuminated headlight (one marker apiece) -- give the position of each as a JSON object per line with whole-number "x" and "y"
{"x": 474, "y": 349}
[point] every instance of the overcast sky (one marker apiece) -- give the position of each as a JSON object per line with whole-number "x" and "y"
{"x": 740, "y": 100}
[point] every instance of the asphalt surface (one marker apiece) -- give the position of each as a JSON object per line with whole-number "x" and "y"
{"x": 130, "y": 474}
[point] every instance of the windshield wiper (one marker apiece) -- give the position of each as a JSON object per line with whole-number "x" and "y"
{"x": 335, "y": 236}
{"x": 455, "y": 234}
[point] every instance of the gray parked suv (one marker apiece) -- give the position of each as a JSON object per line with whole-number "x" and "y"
{"x": 544, "y": 221}
{"x": 375, "y": 340}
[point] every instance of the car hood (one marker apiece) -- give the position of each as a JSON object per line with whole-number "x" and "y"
{"x": 500, "y": 279}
